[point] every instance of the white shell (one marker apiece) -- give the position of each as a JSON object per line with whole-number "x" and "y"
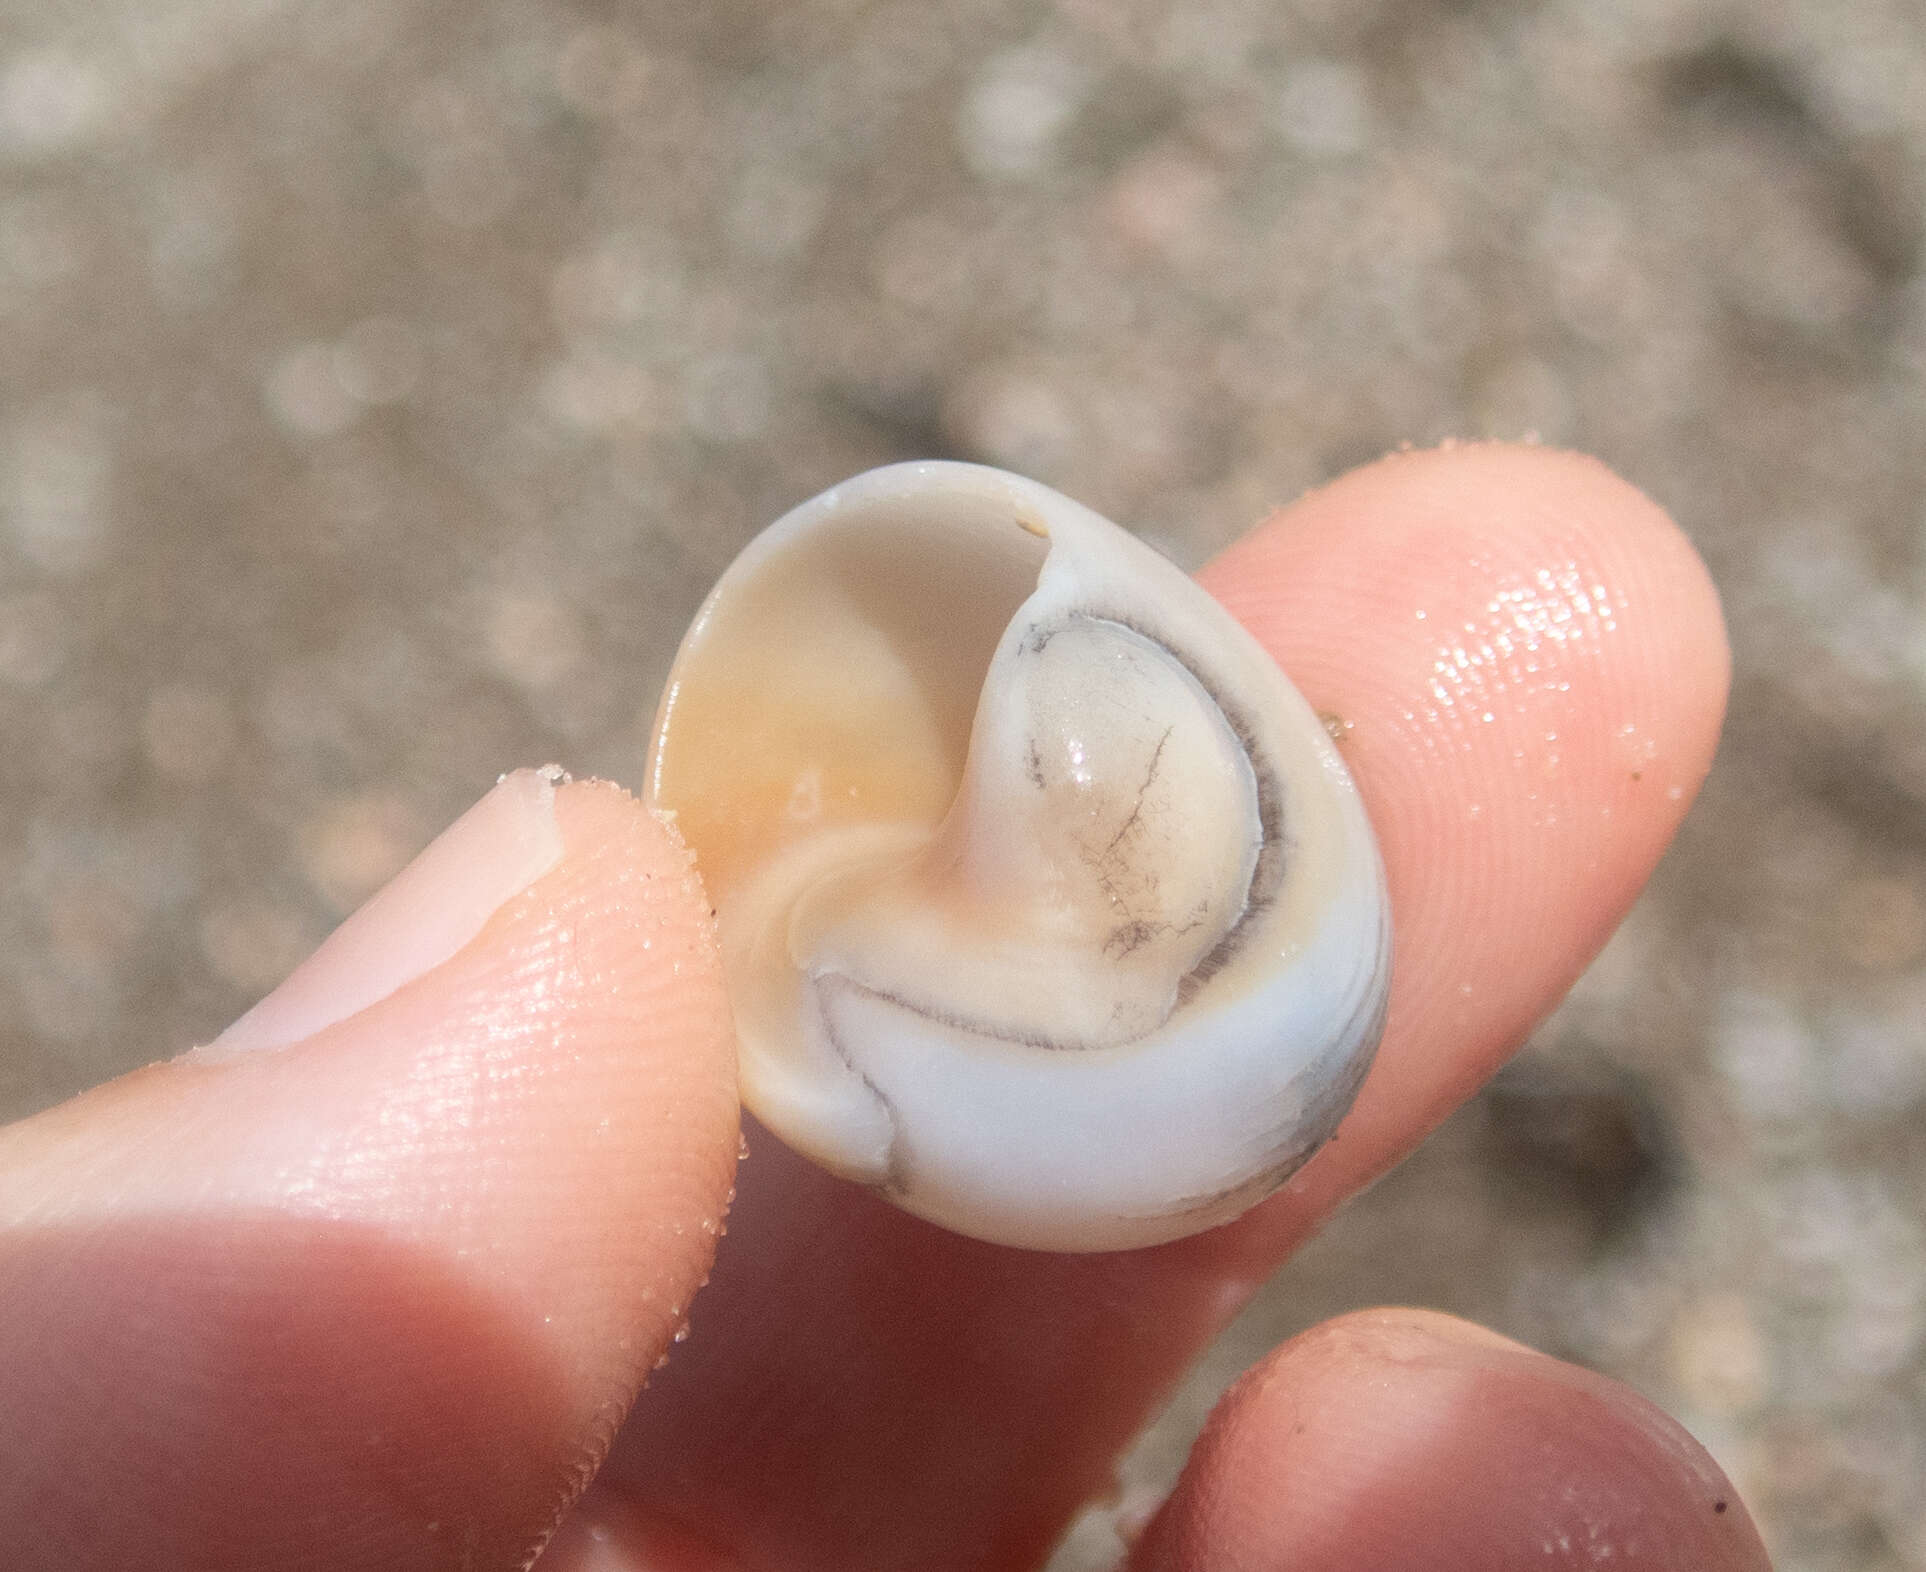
{"x": 1047, "y": 907}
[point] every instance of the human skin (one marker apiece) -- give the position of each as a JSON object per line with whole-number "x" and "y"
{"x": 373, "y": 1283}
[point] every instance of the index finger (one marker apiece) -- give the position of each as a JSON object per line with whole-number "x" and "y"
{"x": 1529, "y": 665}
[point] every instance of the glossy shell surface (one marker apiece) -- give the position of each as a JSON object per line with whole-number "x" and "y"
{"x": 1047, "y": 906}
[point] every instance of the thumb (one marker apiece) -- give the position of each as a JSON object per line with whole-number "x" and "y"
{"x": 369, "y": 1281}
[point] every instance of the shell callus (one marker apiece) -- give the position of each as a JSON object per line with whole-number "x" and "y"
{"x": 1046, "y": 905}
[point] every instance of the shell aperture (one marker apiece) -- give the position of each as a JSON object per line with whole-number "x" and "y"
{"x": 1046, "y": 905}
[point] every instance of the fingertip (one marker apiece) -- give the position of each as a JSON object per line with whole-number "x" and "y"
{"x": 1530, "y": 667}
{"x": 1406, "y": 1439}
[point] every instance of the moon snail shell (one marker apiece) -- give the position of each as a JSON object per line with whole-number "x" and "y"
{"x": 1046, "y": 905}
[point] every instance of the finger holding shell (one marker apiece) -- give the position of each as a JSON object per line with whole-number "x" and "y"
{"x": 1047, "y": 907}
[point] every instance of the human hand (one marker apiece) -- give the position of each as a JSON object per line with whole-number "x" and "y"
{"x": 371, "y": 1282}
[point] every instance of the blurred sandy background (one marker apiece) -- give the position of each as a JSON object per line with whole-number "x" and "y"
{"x": 382, "y": 385}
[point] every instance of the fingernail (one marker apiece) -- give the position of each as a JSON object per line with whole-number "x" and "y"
{"x": 419, "y": 919}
